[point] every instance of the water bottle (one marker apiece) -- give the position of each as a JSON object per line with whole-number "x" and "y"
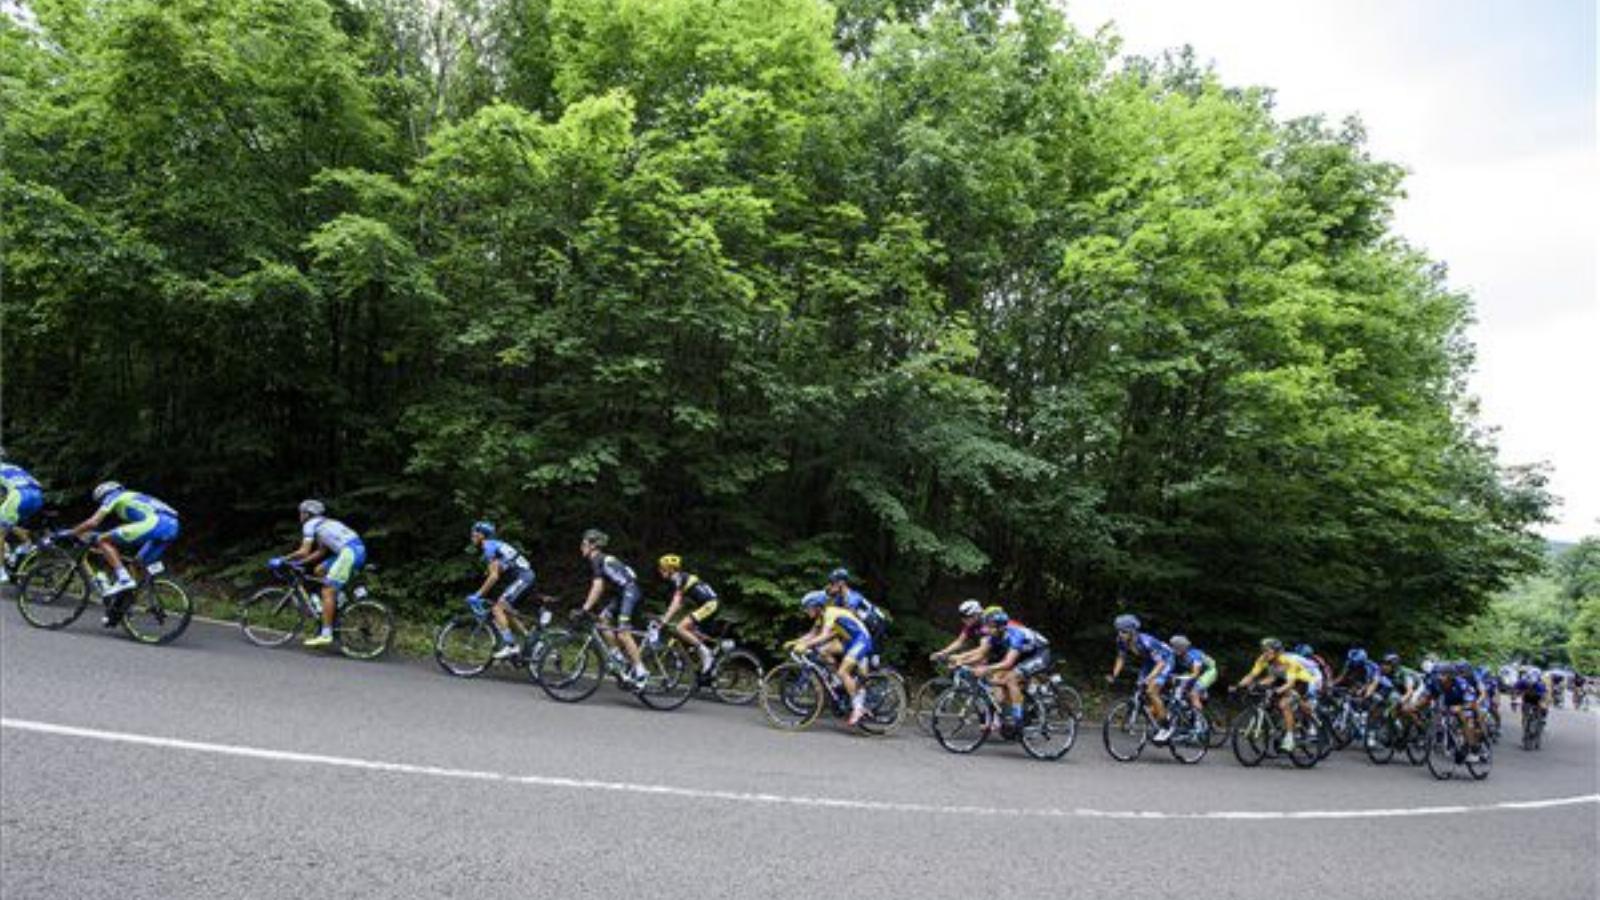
{"x": 102, "y": 583}
{"x": 652, "y": 635}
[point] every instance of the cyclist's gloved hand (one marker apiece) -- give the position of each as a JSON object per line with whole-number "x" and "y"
{"x": 476, "y": 602}
{"x": 275, "y": 563}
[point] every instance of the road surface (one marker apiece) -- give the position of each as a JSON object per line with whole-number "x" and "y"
{"x": 212, "y": 768}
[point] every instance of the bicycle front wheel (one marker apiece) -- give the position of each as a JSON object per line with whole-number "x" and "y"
{"x": 465, "y": 646}
{"x": 885, "y": 702}
{"x": 1126, "y": 731}
{"x": 1441, "y": 752}
{"x": 1251, "y": 733}
{"x": 669, "y": 676}
{"x": 364, "y": 629}
{"x": 792, "y": 697}
{"x": 52, "y": 591}
{"x": 737, "y": 678}
{"x": 271, "y": 617}
{"x": 961, "y": 720}
{"x": 158, "y": 613}
{"x": 570, "y": 666}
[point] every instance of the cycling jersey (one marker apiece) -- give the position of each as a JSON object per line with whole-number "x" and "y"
{"x": 1459, "y": 692}
{"x": 151, "y": 525}
{"x": 1020, "y": 638}
{"x": 14, "y": 477}
{"x": 1291, "y": 668}
{"x": 692, "y": 587}
{"x": 1405, "y": 679}
{"x": 132, "y": 506}
{"x": 1194, "y": 662}
{"x": 614, "y": 572}
{"x": 508, "y": 556}
{"x": 1362, "y": 672}
{"x": 333, "y": 535}
{"x": 1145, "y": 648}
{"x": 23, "y": 496}
{"x": 841, "y": 623}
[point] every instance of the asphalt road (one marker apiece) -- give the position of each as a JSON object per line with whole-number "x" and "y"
{"x": 212, "y": 768}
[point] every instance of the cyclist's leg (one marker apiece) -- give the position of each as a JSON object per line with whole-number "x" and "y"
{"x": 501, "y": 611}
{"x": 343, "y": 567}
{"x": 1153, "y": 688}
{"x": 631, "y": 596}
{"x": 131, "y": 535}
{"x": 689, "y": 629}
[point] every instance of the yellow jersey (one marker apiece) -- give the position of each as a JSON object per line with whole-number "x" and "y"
{"x": 1287, "y": 666}
{"x": 842, "y": 623}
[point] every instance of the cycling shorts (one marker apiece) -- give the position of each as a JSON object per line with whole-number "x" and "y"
{"x": 151, "y": 536}
{"x": 859, "y": 647}
{"x": 1033, "y": 663}
{"x": 1144, "y": 675}
{"x": 519, "y": 585}
{"x": 624, "y": 603}
{"x": 704, "y": 611}
{"x": 351, "y": 558}
{"x": 19, "y": 506}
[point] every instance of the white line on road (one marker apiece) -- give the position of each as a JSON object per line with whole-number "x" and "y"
{"x": 662, "y": 790}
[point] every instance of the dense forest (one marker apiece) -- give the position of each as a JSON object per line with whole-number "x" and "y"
{"x": 1548, "y": 619}
{"x": 942, "y": 290}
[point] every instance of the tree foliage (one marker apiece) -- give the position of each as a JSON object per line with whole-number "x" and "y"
{"x": 933, "y": 288}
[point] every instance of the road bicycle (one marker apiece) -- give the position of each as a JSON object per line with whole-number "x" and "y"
{"x": 735, "y": 674}
{"x": 1130, "y": 726}
{"x": 1533, "y": 720}
{"x": 929, "y": 691}
{"x": 1447, "y": 749}
{"x": 571, "y": 665}
{"x": 363, "y": 628}
{"x": 1257, "y": 732}
{"x": 465, "y": 645}
{"x": 967, "y": 714}
{"x": 1346, "y": 716}
{"x": 794, "y": 694}
{"x": 59, "y": 579}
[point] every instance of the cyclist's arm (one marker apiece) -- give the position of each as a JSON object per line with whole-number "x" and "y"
{"x": 1006, "y": 663}
{"x": 674, "y": 606}
{"x": 596, "y": 588}
{"x": 1116, "y": 667}
{"x": 951, "y": 647}
{"x": 491, "y": 578}
{"x": 303, "y": 553}
{"x": 1161, "y": 667}
{"x": 91, "y": 523}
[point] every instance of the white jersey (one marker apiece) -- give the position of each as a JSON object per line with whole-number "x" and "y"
{"x": 332, "y": 534}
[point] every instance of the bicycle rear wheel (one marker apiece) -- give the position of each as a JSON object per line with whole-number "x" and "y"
{"x": 364, "y": 629}
{"x": 885, "y": 702}
{"x": 571, "y": 666}
{"x": 1189, "y": 743}
{"x": 737, "y": 678}
{"x": 1126, "y": 731}
{"x": 961, "y": 720}
{"x": 271, "y": 617}
{"x": 1049, "y": 731}
{"x": 1380, "y": 739}
{"x": 922, "y": 702}
{"x": 465, "y": 646}
{"x": 52, "y": 591}
{"x": 792, "y": 697}
{"x": 669, "y": 675}
{"x": 158, "y": 613}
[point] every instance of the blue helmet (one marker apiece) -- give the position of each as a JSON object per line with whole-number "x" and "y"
{"x": 814, "y": 600}
{"x": 1356, "y": 655}
{"x": 1304, "y": 650}
{"x": 839, "y": 574}
{"x": 1126, "y": 622}
{"x": 484, "y": 528}
{"x": 997, "y": 617}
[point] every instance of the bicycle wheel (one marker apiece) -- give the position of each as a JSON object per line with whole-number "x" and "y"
{"x": 1049, "y": 731}
{"x": 571, "y": 666}
{"x": 1216, "y": 728}
{"x": 271, "y": 617}
{"x": 1251, "y": 733}
{"x": 1441, "y": 752}
{"x": 158, "y": 613}
{"x": 1312, "y": 743}
{"x": 885, "y": 704}
{"x": 961, "y": 720}
{"x": 670, "y": 676}
{"x": 465, "y": 646}
{"x": 1189, "y": 743}
{"x": 364, "y": 629}
{"x": 737, "y": 678}
{"x": 1070, "y": 700}
{"x": 1126, "y": 731}
{"x": 1380, "y": 740}
{"x": 52, "y": 591}
{"x": 792, "y": 697}
{"x": 1478, "y": 765}
{"x": 922, "y": 702}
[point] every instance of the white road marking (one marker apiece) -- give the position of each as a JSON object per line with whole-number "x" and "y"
{"x": 662, "y": 790}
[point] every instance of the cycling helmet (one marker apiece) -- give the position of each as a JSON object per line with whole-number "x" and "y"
{"x": 312, "y": 508}
{"x": 1179, "y": 643}
{"x": 1391, "y": 659}
{"x": 970, "y": 608}
{"x": 595, "y": 537}
{"x": 670, "y": 561}
{"x": 105, "y": 489}
{"x": 1126, "y": 622}
{"x": 1304, "y": 650}
{"x": 996, "y": 617}
{"x": 1271, "y": 644}
{"x": 484, "y": 528}
{"x": 1356, "y": 655}
{"x": 1428, "y": 665}
{"x": 839, "y": 574}
{"x": 814, "y": 600}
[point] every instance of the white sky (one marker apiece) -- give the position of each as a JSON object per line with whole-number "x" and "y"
{"x": 1491, "y": 106}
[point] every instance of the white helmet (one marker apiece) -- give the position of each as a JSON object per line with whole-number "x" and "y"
{"x": 312, "y": 508}
{"x": 970, "y": 608}
{"x": 105, "y": 489}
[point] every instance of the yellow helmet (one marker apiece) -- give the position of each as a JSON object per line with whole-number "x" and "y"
{"x": 671, "y": 561}
{"x": 991, "y": 610}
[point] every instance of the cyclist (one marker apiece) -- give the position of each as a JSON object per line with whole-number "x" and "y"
{"x": 1014, "y": 653}
{"x": 1155, "y": 664}
{"x": 20, "y": 497}
{"x": 504, "y": 561}
{"x": 843, "y": 640}
{"x": 972, "y": 631}
{"x": 1196, "y": 671}
{"x": 842, "y": 594}
{"x": 1459, "y": 697}
{"x": 1323, "y": 668}
{"x": 1300, "y": 682}
{"x": 1533, "y": 690}
{"x": 613, "y": 575}
{"x": 1404, "y": 683}
{"x": 149, "y": 527}
{"x": 322, "y": 537}
{"x": 1364, "y": 676}
{"x": 691, "y": 587}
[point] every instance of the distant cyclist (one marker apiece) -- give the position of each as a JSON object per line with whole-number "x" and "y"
{"x": 1297, "y": 683}
{"x": 1196, "y": 671}
{"x": 971, "y": 634}
{"x": 1321, "y": 665}
{"x": 1015, "y": 653}
{"x": 1459, "y": 697}
{"x": 504, "y": 562}
{"x": 843, "y": 640}
{"x": 614, "y": 577}
{"x": 1364, "y": 677}
{"x": 20, "y": 498}
{"x": 320, "y": 538}
{"x": 1155, "y": 665}
{"x": 842, "y": 594}
{"x": 149, "y": 527}
{"x": 688, "y": 588}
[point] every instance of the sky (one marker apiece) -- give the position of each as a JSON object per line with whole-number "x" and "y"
{"x": 1491, "y": 107}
